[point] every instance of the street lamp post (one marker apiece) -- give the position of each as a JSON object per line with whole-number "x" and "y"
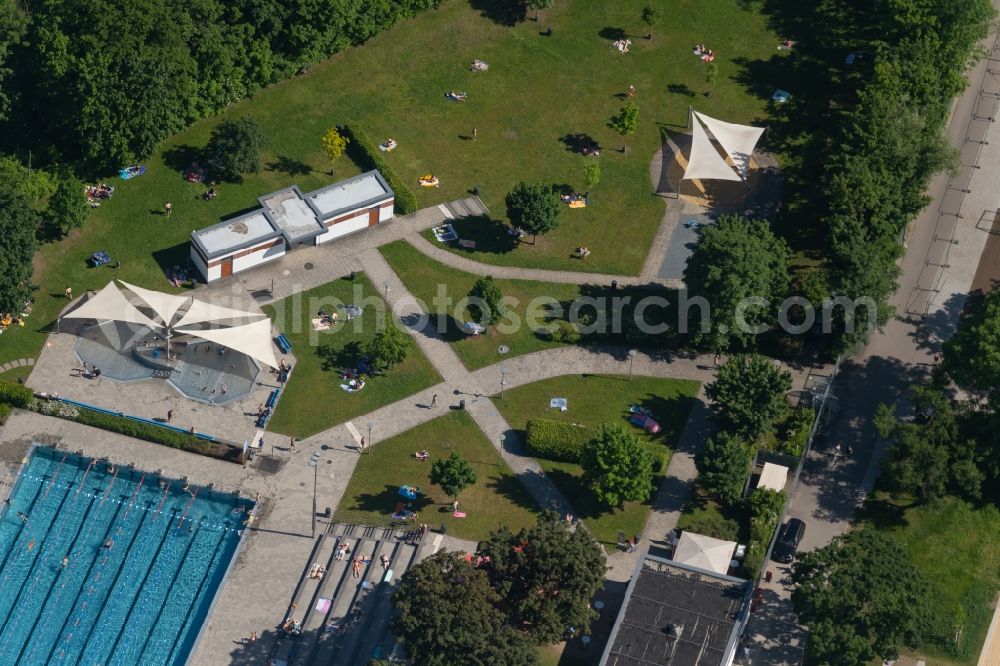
{"x": 503, "y": 380}
{"x": 386, "y": 285}
{"x": 315, "y": 467}
{"x": 631, "y": 359}
{"x": 369, "y": 437}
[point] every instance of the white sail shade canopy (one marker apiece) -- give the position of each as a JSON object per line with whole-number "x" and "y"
{"x": 164, "y": 305}
{"x": 705, "y": 162}
{"x": 737, "y": 141}
{"x": 703, "y": 552}
{"x": 252, "y": 339}
{"x": 110, "y": 304}
{"x": 200, "y": 312}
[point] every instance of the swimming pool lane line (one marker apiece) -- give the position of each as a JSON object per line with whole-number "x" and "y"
{"x": 188, "y": 507}
{"x": 33, "y": 555}
{"x": 101, "y": 620}
{"x": 199, "y": 590}
{"x": 18, "y": 608}
{"x": 139, "y": 589}
{"x": 57, "y": 603}
{"x": 84, "y": 479}
{"x": 23, "y": 530}
{"x": 114, "y": 475}
{"x": 92, "y": 578}
{"x": 163, "y": 602}
{"x": 163, "y": 498}
{"x": 141, "y": 479}
{"x": 55, "y": 476}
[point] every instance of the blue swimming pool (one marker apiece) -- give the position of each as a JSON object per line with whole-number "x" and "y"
{"x": 102, "y": 564}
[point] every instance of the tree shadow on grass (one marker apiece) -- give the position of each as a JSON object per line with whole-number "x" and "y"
{"x": 576, "y": 143}
{"x": 452, "y": 328}
{"x": 502, "y": 12}
{"x": 612, "y": 34}
{"x": 680, "y": 89}
{"x": 513, "y": 491}
{"x": 176, "y": 256}
{"x": 491, "y": 236}
{"x": 883, "y": 514}
{"x": 289, "y": 166}
{"x": 334, "y": 358}
{"x": 383, "y": 502}
{"x": 179, "y": 158}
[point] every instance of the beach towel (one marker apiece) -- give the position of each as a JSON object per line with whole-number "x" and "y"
{"x": 319, "y": 325}
{"x": 323, "y": 605}
{"x": 559, "y": 403}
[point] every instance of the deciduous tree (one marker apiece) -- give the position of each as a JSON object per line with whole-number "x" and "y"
{"x": 236, "y": 146}
{"x": 486, "y": 302}
{"x": 650, "y": 15}
{"x": 741, "y": 269}
{"x": 68, "y": 207}
{"x": 448, "y": 615}
{"x": 626, "y": 122}
{"x": 861, "y": 597}
{"x": 749, "y": 394}
{"x": 453, "y": 474}
{"x": 389, "y": 347}
{"x": 617, "y": 467}
{"x": 546, "y": 576}
{"x": 723, "y": 465}
{"x": 972, "y": 355}
{"x": 533, "y": 207}
{"x": 18, "y": 243}
{"x": 334, "y": 145}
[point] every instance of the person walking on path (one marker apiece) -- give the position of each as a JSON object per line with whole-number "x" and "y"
{"x": 168, "y": 207}
{"x": 631, "y": 91}
{"x": 718, "y": 360}
{"x": 292, "y": 442}
{"x": 118, "y": 264}
{"x": 69, "y": 293}
{"x": 434, "y": 400}
{"x": 170, "y": 415}
{"x": 475, "y": 133}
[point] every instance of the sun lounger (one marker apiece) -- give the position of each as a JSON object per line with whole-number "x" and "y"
{"x": 467, "y": 244}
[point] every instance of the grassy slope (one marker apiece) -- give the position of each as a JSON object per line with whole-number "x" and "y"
{"x": 594, "y": 400}
{"x": 957, "y": 547}
{"x": 313, "y": 400}
{"x": 497, "y": 498}
{"x": 537, "y": 90}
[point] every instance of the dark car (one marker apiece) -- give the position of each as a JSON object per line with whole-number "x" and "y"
{"x": 788, "y": 540}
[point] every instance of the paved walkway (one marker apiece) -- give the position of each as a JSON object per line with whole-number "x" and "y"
{"x": 19, "y": 363}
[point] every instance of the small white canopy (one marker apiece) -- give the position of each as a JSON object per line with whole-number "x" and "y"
{"x": 164, "y": 305}
{"x": 110, "y": 304}
{"x": 200, "y": 312}
{"x": 703, "y": 552}
{"x": 253, "y": 339}
{"x": 705, "y": 162}
{"x": 773, "y": 477}
{"x": 738, "y": 141}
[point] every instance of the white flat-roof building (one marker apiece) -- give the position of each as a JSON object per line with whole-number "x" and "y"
{"x": 288, "y": 218}
{"x": 351, "y": 205}
{"x": 236, "y": 245}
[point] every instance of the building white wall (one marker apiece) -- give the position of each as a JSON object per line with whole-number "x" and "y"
{"x": 345, "y": 227}
{"x": 259, "y": 257}
{"x": 209, "y": 274}
{"x": 385, "y": 214}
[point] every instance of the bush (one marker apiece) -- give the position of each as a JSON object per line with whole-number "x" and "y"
{"x": 711, "y": 524}
{"x": 565, "y": 332}
{"x": 795, "y": 432}
{"x": 363, "y": 151}
{"x": 140, "y": 430}
{"x": 765, "y": 512}
{"x": 15, "y": 395}
{"x": 5, "y": 411}
{"x": 557, "y": 441}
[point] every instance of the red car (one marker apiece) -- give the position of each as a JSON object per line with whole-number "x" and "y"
{"x": 644, "y": 422}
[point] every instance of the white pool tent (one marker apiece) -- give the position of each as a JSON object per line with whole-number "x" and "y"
{"x": 773, "y": 476}
{"x": 703, "y": 552}
{"x": 242, "y": 331}
{"x": 736, "y": 141}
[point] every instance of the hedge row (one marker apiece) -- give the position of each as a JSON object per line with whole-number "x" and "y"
{"x": 368, "y": 156}
{"x": 765, "y": 511}
{"x": 15, "y": 394}
{"x": 157, "y": 434}
{"x": 555, "y": 440}
{"x": 5, "y": 411}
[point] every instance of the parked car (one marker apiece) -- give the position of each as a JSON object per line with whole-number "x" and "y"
{"x": 644, "y": 422}
{"x": 788, "y": 541}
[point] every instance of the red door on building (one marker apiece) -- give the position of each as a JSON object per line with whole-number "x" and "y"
{"x": 227, "y": 267}
{"x": 373, "y": 217}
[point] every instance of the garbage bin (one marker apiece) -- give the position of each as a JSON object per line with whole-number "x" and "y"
{"x": 328, "y": 512}
{"x": 444, "y": 528}
{"x": 461, "y": 404}
{"x": 475, "y": 190}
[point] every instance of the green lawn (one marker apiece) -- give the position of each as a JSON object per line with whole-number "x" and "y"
{"x": 594, "y": 400}
{"x": 957, "y": 547}
{"x": 704, "y": 515}
{"x": 497, "y": 498}
{"x": 424, "y": 276}
{"x": 313, "y": 399}
{"x": 537, "y": 91}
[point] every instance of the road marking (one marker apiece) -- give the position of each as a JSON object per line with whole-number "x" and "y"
{"x": 354, "y": 432}
{"x": 444, "y": 211}
{"x": 436, "y": 544}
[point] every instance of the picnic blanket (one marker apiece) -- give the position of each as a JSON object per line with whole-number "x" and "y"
{"x": 319, "y": 325}
{"x": 409, "y": 492}
{"x": 479, "y": 66}
{"x": 323, "y": 605}
{"x": 579, "y": 203}
{"x": 562, "y": 404}
{"x": 445, "y": 233}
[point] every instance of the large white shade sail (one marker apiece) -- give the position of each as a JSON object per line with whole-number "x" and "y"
{"x": 252, "y": 339}
{"x": 110, "y": 304}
